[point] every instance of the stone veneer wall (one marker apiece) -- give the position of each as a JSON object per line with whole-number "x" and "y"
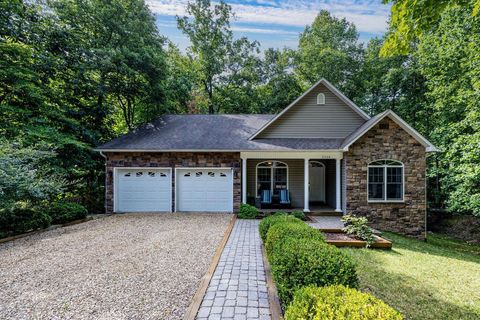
{"x": 173, "y": 160}
{"x": 408, "y": 217}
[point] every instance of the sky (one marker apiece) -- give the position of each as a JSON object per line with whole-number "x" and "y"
{"x": 278, "y": 23}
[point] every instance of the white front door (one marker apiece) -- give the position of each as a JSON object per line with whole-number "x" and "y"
{"x": 317, "y": 181}
{"x": 143, "y": 190}
{"x": 200, "y": 189}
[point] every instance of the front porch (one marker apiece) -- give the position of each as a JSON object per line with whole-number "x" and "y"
{"x": 313, "y": 181}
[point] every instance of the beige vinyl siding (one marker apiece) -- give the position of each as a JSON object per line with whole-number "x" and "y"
{"x": 307, "y": 119}
{"x": 295, "y": 179}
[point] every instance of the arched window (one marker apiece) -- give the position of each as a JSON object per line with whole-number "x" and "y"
{"x": 321, "y": 98}
{"x": 272, "y": 175}
{"x": 385, "y": 181}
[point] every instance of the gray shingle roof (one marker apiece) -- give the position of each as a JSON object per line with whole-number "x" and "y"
{"x": 210, "y": 132}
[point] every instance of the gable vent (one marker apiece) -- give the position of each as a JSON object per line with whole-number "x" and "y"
{"x": 384, "y": 126}
{"x": 321, "y": 98}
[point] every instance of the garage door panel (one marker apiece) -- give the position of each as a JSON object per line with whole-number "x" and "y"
{"x": 205, "y": 190}
{"x": 141, "y": 189}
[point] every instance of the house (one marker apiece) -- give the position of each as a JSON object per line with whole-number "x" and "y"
{"x": 322, "y": 148}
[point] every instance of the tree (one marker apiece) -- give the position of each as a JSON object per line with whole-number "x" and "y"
{"x": 219, "y": 59}
{"x": 449, "y": 59}
{"x": 329, "y": 49}
{"x": 410, "y": 19}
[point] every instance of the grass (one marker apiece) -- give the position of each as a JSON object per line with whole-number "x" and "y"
{"x": 437, "y": 279}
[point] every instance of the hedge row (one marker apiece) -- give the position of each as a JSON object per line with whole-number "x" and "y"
{"x": 304, "y": 265}
{"x": 22, "y": 218}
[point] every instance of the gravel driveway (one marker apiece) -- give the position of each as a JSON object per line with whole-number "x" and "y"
{"x": 133, "y": 266}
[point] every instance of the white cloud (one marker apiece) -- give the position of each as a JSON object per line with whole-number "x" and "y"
{"x": 369, "y": 15}
{"x": 261, "y": 30}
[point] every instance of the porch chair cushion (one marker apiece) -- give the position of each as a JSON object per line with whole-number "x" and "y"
{"x": 284, "y": 196}
{"x": 266, "y": 196}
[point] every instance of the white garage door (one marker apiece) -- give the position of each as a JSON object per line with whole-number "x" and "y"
{"x": 204, "y": 190}
{"x": 143, "y": 189}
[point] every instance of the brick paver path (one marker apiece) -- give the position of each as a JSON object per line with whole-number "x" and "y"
{"x": 238, "y": 288}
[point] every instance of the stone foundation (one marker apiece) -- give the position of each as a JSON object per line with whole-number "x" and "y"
{"x": 173, "y": 160}
{"x": 387, "y": 140}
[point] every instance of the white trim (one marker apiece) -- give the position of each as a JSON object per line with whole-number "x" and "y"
{"x": 115, "y": 172}
{"x": 385, "y": 200}
{"x": 268, "y": 155}
{"x": 337, "y": 186}
{"x": 200, "y": 168}
{"x": 334, "y": 90}
{"x": 405, "y": 126}
{"x": 306, "y": 185}
{"x": 271, "y": 174}
{"x": 218, "y": 150}
{"x": 244, "y": 181}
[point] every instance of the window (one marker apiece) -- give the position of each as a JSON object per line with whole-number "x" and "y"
{"x": 385, "y": 181}
{"x": 321, "y": 98}
{"x": 273, "y": 176}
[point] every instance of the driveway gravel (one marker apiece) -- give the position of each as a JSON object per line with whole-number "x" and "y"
{"x": 132, "y": 266}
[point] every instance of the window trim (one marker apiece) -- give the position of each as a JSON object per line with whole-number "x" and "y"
{"x": 385, "y": 166}
{"x": 271, "y": 167}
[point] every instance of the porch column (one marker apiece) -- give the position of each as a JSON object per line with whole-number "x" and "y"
{"x": 306, "y": 186}
{"x": 244, "y": 180}
{"x": 338, "y": 186}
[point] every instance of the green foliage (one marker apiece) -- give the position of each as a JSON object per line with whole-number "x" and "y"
{"x": 411, "y": 19}
{"x": 449, "y": 58}
{"x": 303, "y": 262}
{"x": 63, "y": 212}
{"x": 25, "y": 175}
{"x": 338, "y": 303}
{"x": 247, "y": 212}
{"x": 299, "y": 215}
{"x": 21, "y": 218}
{"x": 278, "y": 233}
{"x": 270, "y": 221}
{"x": 358, "y": 226}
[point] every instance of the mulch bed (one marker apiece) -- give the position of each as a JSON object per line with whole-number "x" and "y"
{"x": 340, "y": 239}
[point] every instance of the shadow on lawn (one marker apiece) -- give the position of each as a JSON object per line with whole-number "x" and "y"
{"x": 437, "y": 246}
{"x": 404, "y": 294}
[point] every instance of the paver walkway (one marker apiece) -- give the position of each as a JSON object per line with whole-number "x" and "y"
{"x": 238, "y": 289}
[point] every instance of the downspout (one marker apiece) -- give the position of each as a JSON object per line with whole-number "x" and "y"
{"x": 106, "y": 177}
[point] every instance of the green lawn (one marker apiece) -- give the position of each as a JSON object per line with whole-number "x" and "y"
{"x": 438, "y": 279}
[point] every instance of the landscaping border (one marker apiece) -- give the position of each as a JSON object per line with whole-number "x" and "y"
{"x": 273, "y": 299}
{"x": 197, "y": 299}
{"x": 52, "y": 227}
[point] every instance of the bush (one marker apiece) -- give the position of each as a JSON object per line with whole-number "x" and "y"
{"x": 20, "y": 219}
{"x": 299, "y": 215}
{"x": 278, "y": 233}
{"x": 303, "y": 262}
{"x": 338, "y": 303}
{"x": 358, "y": 227}
{"x": 269, "y": 221}
{"x": 247, "y": 212}
{"x": 63, "y": 212}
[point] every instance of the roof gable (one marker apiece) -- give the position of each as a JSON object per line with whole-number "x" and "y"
{"x": 351, "y": 139}
{"x": 304, "y": 118}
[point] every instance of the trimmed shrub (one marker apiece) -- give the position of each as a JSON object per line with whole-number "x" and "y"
{"x": 63, "y": 212}
{"x": 247, "y": 212}
{"x": 299, "y": 215}
{"x": 303, "y": 262}
{"x": 278, "y": 233}
{"x": 20, "y": 219}
{"x": 269, "y": 221}
{"x": 338, "y": 303}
